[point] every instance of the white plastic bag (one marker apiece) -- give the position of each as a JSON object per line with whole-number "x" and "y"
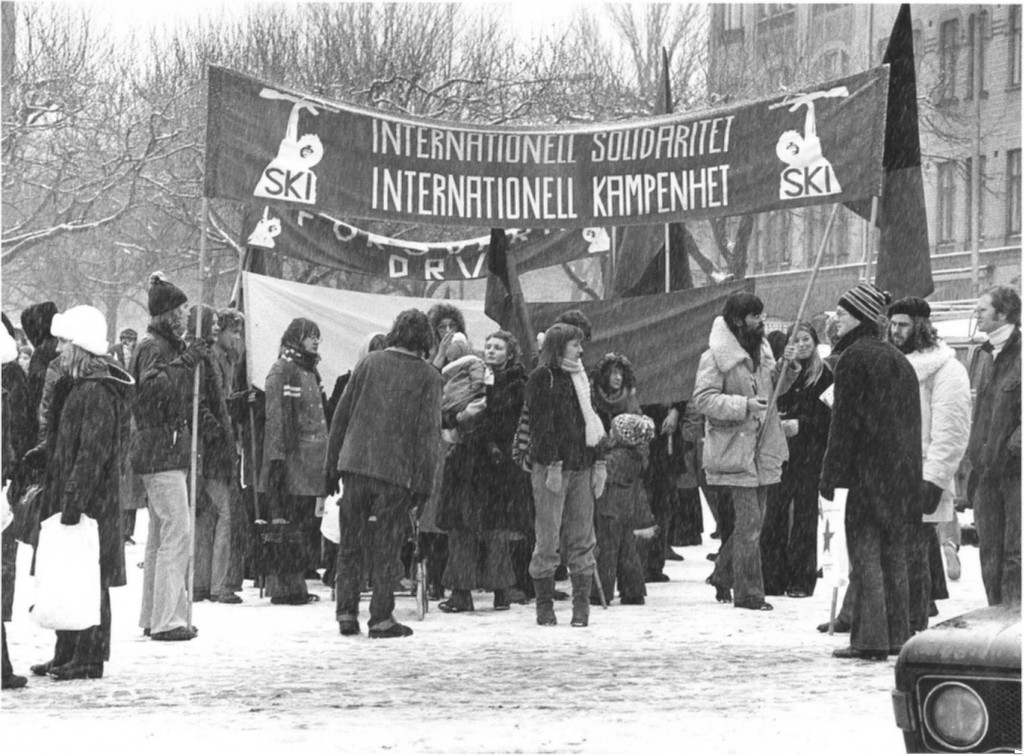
{"x": 67, "y": 575}
{"x": 330, "y": 525}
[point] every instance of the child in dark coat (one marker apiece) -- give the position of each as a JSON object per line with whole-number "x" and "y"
{"x": 623, "y": 508}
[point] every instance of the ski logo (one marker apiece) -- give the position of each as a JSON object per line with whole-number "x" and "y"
{"x": 808, "y": 173}
{"x": 266, "y": 230}
{"x": 289, "y": 176}
{"x": 597, "y": 240}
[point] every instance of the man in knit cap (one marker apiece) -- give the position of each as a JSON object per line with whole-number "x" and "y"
{"x": 163, "y": 370}
{"x": 945, "y": 425}
{"x": 874, "y": 451}
{"x": 994, "y": 448}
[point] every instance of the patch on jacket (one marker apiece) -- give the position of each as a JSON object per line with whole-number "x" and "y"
{"x": 292, "y": 391}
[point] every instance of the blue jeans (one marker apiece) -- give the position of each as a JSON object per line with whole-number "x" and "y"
{"x": 213, "y": 539}
{"x": 365, "y": 497}
{"x": 164, "y": 598}
{"x": 739, "y": 561}
{"x": 570, "y": 512}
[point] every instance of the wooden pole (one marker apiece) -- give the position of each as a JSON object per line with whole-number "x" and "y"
{"x": 800, "y": 313}
{"x": 872, "y": 240}
{"x": 668, "y": 263}
{"x": 193, "y": 481}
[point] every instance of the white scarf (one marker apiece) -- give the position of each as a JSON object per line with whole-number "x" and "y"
{"x": 999, "y": 337}
{"x": 580, "y": 383}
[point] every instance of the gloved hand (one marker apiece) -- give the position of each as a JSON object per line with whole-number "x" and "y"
{"x": 332, "y": 481}
{"x": 36, "y": 457}
{"x": 70, "y": 516}
{"x": 195, "y": 353}
{"x": 931, "y": 497}
{"x": 598, "y": 478}
{"x": 826, "y": 491}
{"x": 554, "y": 478}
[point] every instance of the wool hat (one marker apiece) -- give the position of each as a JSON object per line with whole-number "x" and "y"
{"x": 84, "y": 326}
{"x": 163, "y": 295}
{"x": 865, "y": 302}
{"x": 912, "y": 306}
{"x": 128, "y": 332}
{"x": 632, "y": 429}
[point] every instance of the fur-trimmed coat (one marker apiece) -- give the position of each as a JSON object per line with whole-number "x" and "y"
{"x": 945, "y": 420}
{"x": 482, "y": 489}
{"x": 726, "y": 378}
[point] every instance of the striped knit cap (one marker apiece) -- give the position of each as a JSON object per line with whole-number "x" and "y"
{"x": 865, "y": 302}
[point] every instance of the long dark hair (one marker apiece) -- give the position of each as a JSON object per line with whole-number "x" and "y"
{"x": 556, "y": 339}
{"x": 411, "y": 331}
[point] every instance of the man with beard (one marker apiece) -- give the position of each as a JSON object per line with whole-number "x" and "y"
{"x": 874, "y": 451}
{"x": 945, "y": 424}
{"x": 744, "y": 444}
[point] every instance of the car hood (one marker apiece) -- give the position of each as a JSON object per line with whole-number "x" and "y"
{"x": 985, "y": 637}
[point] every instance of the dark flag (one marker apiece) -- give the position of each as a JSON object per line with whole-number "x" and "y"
{"x": 504, "y": 301}
{"x": 904, "y": 256}
{"x": 644, "y": 246}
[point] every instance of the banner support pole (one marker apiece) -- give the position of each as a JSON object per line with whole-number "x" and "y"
{"x": 869, "y": 257}
{"x": 193, "y": 481}
{"x": 800, "y": 313}
{"x": 668, "y": 263}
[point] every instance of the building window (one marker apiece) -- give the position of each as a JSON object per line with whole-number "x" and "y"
{"x": 946, "y": 201}
{"x": 969, "y": 199}
{"x": 1013, "y": 36}
{"x": 769, "y": 10}
{"x": 821, "y": 9}
{"x": 837, "y": 249}
{"x": 949, "y": 48}
{"x": 732, "y": 17}
{"x": 835, "y": 64}
{"x": 973, "y": 34}
{"x": 1013, "y": 192}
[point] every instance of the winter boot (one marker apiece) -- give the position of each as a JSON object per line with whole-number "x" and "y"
{"x": 581, "y": 584}
{"x": 545, "y": 589}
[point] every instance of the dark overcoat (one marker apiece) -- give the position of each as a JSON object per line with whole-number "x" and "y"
{"x": 874, "y": 442}
{"x": 482, "y": 489}
{"x": 803, "y": 403}
{"x": 84, "y": 470}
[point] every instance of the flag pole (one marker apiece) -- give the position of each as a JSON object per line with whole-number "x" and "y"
{"x": 668, "y": 264}
{"x": 800, "y": 312}
{"x": 872, "y": 240}
{"x": 195, "y": 420}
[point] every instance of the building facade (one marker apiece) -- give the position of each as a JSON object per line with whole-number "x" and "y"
{"x": 968, "y": 62}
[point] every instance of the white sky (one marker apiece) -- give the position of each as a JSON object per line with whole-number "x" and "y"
{"x": 529, "y": 16}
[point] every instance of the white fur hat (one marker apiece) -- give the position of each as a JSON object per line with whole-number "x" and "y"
{"x": 8, "y": 347}
{"x": 84, "y": 326}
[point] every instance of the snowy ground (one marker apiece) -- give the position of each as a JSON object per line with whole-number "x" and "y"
{"x": 682, "y": 672}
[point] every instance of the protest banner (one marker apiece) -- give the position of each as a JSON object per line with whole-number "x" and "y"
{"x": 288, "y": 148}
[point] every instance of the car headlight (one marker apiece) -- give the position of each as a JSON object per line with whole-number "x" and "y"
{"x": 956, "y": 715}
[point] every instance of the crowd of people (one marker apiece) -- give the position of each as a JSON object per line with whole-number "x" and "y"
{"x": 513, "y": 475}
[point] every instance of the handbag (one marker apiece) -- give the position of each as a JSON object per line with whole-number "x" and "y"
{"x": 67, "y": 575}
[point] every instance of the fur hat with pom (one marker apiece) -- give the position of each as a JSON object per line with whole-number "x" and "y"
{"x": 84, "y": 326}
{"x": 163, "y": 295}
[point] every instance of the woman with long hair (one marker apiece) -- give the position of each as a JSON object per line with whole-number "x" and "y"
{"x": 294, "y": 448}
{"x": 789, "y": 551}
{"x": 567, "y": 473}
{"x": 88, "y": 432}
{"x": 485, "y": 497}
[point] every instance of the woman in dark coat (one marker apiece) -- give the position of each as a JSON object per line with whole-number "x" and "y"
{"x": 789, "y": 560}
{"x": 294, "y": 449}
{"x": 484, "y": 496}
{"x": 86, "y": 434}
